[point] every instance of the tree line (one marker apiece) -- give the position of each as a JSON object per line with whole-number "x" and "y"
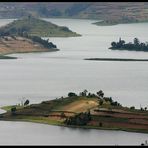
{"x": 23, "y": 33}
{"x": 79, "y": 119}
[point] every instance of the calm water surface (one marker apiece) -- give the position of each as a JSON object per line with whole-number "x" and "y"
{"x": 44, "y": 76}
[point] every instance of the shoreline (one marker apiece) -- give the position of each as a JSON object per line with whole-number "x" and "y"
{"x": 8, "y": 55}
{"x": 53, "y": 122}
{"x": 57, "y": 123}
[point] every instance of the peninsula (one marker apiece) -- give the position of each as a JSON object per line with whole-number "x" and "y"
{"x": 86, "y": 110}
{"x": 25, "y": 35}
{"x": 19, "y": 44}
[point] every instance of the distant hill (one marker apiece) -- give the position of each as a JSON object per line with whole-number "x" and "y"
{"x": 36, "y": 27}
{"x": 110, "y": 12}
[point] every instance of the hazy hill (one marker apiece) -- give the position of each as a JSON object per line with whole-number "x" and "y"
{"x": 111, "y": 12}
{"x": 36, "y": 27}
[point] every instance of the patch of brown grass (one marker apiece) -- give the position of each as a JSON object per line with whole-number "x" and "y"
{"x": 80, "y": 106}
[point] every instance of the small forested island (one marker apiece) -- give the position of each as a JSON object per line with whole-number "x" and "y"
{"x": 135, "y": 46}
{"x": 83, "y": 110}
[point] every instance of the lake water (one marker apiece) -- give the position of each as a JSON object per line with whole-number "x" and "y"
{"x": 45, "y": 76}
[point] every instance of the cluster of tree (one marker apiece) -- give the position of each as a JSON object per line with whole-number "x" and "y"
{"x": 143, "y": 109}
{"x": 13, "y": 110}
{"x": 45, "y": 43}
{"x": 38, "y": 39}
{"x": 72, "y": 94}
{"x": 135, "y": 46}
{"x": 110, "y": 100}
{"x": 79, "y": 119}
{"x": 99, "y": 95}
{"x": 23, "y": 32}
{"x": 85, "y": 93}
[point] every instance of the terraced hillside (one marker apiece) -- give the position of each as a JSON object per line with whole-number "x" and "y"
{"x": 87, "y": 111}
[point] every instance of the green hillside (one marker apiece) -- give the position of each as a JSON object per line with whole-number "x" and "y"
{"x": 36, "y": 27}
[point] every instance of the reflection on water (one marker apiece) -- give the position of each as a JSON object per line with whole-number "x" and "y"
{"x": 20, "y": 133}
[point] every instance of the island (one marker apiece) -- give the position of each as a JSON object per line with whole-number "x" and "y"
{"x": 83, "y": 110}
{"x": 135, "y": 46}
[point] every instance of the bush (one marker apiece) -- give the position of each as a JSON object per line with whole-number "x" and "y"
{"x": 13, "y": 110}
{"x": 132, "y": 107}
{"x": 71, "y": 94}
{"x": 100, "y": 124}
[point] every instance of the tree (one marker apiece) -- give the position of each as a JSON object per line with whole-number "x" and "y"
{"x": 13, "y": 110}
{"x": 121, "y": 42}
{"x": 85, "y": 92}
{"x": 136, "y": 41}
{"x": 114, "y": 44}
{"x": 132, "y": 107}
{"x": 26, "y": 102}
{"x": 100, "y": 93}
{"x": 100, "y": 124}
{"x": 101, "y": 102}
{"x": 71, "y": 94}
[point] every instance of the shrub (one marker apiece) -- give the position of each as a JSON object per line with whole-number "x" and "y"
{"x": 71, "y": 94}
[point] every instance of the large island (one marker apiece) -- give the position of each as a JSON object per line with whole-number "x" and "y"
{"x": 86, "y": 110}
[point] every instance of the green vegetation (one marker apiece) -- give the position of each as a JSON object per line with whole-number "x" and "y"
{"x": 78, "y": 119}
{"x": 135, "y": 46}
{"x": 35, "y": 27}
{"x": 37, "y": 39}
